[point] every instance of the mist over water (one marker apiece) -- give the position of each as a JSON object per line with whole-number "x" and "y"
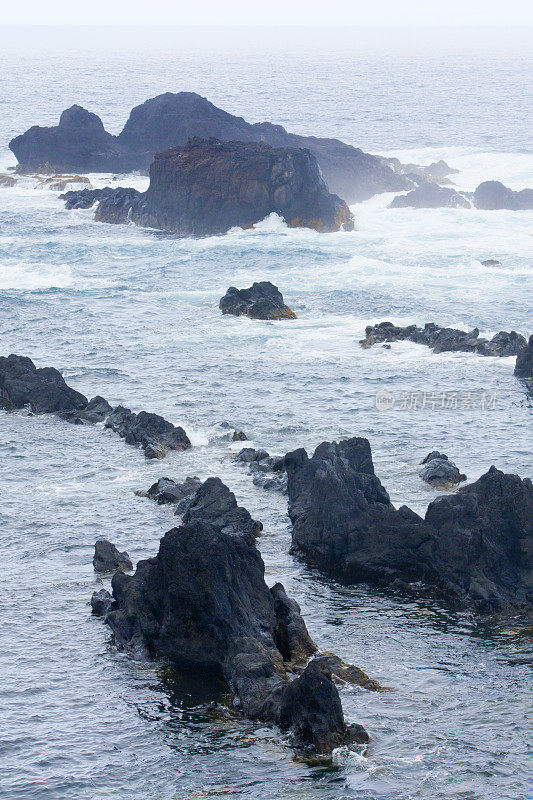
{"x": 133, "y": 315}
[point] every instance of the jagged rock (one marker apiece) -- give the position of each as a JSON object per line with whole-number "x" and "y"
{"x": 79, "y": 143}
{"x": 262, "y": 300}
{"x": 348, "y": 673}
{"x": 207, "y": 187}
{"x": 153, "y": 433}
{"x": 491, "y": 262}
{"x": 44, "y": 390}
{"x": 203, "y": 604}
{"x": 439, "y": 471}
{"x": 524, "y": 361}
{"x": 108, "y": 559}
{"x": 430, "y": 195}
{"x": 97, "y": 410}
{"x": 239, "y": 436}
{"x": 268, "y": 472}
{"x": 85, "y": 198}
{"x": 442, "y": 340}
{"x": 166, "y": 491}
{"x": 215, "y": 504}
{"x": 474, "y": 547}
{"x": 493, "y": 195}
{"x": 101, "y": 602}
{"x": 311, "y": 709}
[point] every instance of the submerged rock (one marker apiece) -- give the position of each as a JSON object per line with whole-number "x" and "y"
{"x": 442, "y": 340}
{"x": 430, "y": 195}
{"x": 108, "y": 559}
{"x": 239, "y": 436}
{"x": 524, "y": 361}
{"x": 474, "y": 547}
{"x": 167, "y": 491}
{"x": 7, "y": 181}
{"x": 268, "y": 472}
{"x": 79, "y": 143}
{"x": 262, "y": 300}
{"x": 203, "y": 604}
{"x": 152, "y": 432}
{"x": 207, "y": 187}
{"x": 439, "y": 471}
{"x": 44, "y": 390}
{"x": 491, "y": 262}
{"x": 493, "y": 195}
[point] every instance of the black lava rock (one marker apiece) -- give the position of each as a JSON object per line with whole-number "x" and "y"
{"x": 262, "y": 300}
{"x": 215, "y": 504}
{"x": 524, "y": 361}
{"x": 473, "y": 548}
{"x": 439, "y": 471}
{"x": 153, "y": 433}
{"x": 493, "y": 195}
{"x": 166, "y": 491}
{"x": 44, "y": 390}
{"x": 429, "y": 195}
{"x": 107, "y": 558}
{"x": 442, "y": 340}
{"x": 101, "y": 602}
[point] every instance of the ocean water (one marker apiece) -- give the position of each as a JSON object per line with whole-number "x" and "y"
{"x": 133, "y": 314}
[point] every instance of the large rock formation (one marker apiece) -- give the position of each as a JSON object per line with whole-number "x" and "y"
{"x": 524, "y": 361}
{"x": 203, "y": 604}
{"x": 79, "y": 143}
{"x": 44, "y": 391}
{"x": 107, "y": 558}
{"x": 207, "y": 187}
{"x": 445, "y": 340}
{"x": 262, "y": 300}
{"x": 439, "y": 471}
{"x": 474, "y": 547}
{"x": 493, "y": 195}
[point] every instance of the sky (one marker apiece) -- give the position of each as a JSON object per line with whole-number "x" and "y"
{"x": 270, "y": 12}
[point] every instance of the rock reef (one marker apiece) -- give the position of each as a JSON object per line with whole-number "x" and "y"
{"x": 268, "y": 472}
{"x": 203, "y": 604}
{"x": 44, "y": 391}
{"x": 445, "y": 340}
{"x": 207, "y": 187}
{"x": 493, "y": 195}
{"x": 108, "y": 559}
{"x": 473, "y": 548}
{"x": 524, "y": 361}
{"x": 489, "y": 196}
{"x": 439, "y": 471}
{"x": 80, "y": 144}
{"x": 429, "y": 195}
{"x": 262, "y": 300}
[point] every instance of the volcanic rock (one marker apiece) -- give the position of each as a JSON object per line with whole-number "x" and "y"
{"x": 439, "y": 471}
{"x": 429, "y": 195}
{"x": 442, "y": 340}
{"x": 493, "y": 195}
{"x": 80, "y": 144}
{"x": 108, "y": 559}
{"x": 215, "y": 504}
{"x": 524, "y": 361}
{"x": 153, "y": 433}
{"x": 44, "y": 390}
{"x": 166, "y": 491}
{"x": 261, "y": 301}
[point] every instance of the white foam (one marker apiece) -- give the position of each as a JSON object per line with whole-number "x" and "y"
{"x": 35, "y": 276}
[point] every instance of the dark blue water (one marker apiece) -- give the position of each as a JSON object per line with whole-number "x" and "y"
{"x": 133, "y": 315}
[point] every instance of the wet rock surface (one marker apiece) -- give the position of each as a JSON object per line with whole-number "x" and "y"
{"x": 152, "y": 432}
{"x": 207, "y": 187}
{"x": 167, "y": 491}
{"x": 202, "y": 603}
{"x": 524, "y": 361}
{"x": 101, "y": 602}
{"x": 262, "y": 300}
{"x": 442, "y": 340}
{"x": 108, "y": 559}
{"x": 43, "y": 390}
{"x": 215, "y": 504}
{"x": 268, "y": 472}
{"x": 474, "y": 547}
{"x": 439, "y": 471}
{"x": 79, "y": 143}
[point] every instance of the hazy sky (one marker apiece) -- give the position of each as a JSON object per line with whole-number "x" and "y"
{"x": 269, "y": 12}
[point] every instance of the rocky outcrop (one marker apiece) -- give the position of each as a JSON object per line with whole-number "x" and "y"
{"x": 493, "y": 195}
{"x": 207, "y": 187}
{"x": 430, "y": 195}
{"x": 79, "y": 143}
{"x": 203, "y": 604}
{"x": 440, "y": 169}
{"x": 439, "y": 471}
{"x": 215, "y": 504}
{"x": 443, "y": 340}
{"x": 44, "y": 391}
{"x": 152, "y": 432}
{"x": 491, "y": 262}
{"x": 108, "y": 559}
{"x": 268, "y": 472}
{"x": 474, "y": 547}
{"x": 167, "y": 491}
{"x": 101, "y": 602}
{"x": 524, "y": 361}
{"x": 85, "y": 198}
{"x": 261, "y": 301}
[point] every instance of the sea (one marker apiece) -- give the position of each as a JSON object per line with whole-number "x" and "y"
{"x": 132, "y": 314}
